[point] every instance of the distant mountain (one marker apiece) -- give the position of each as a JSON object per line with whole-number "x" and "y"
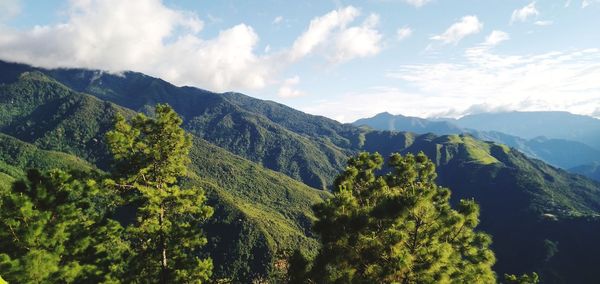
{"x": 541, "y": 218}
{"x": 590, "y": 170}
{"x": 551, "y": 124}
{"x": 562, "y": 153}
{"x": 387, "y": 121}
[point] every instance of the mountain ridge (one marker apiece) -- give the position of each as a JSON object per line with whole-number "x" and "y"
{"x": 567, "y": 154}
{"x": 516, "y": 193}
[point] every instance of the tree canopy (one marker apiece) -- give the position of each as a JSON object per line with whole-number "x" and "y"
{"x": 56, "y": 226}
{"x": 53, "y": 228}
{"x": 397, "y": 227}
{"x": 151, "y": 155}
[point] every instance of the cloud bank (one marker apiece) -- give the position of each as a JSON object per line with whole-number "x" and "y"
{"x": 481, "y": 81}
{"x": 149, "y": 37}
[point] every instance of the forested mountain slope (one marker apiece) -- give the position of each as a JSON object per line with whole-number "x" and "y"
{"x": 260, "y": 214}
{"x": 541, "y": 218}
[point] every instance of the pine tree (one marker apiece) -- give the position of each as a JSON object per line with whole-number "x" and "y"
{"x": 398, "y": 228}
{"x": 151, "y": 155}
{"x": 54, "y": 229}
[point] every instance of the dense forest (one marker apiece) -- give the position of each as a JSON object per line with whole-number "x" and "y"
{"x": 102, "y": 182}
{"x": 65, "y": 226}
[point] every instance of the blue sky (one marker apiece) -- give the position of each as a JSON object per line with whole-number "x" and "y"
{"x": 341, "y": 59}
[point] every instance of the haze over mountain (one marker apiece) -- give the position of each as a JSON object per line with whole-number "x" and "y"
{"x": 388, "y": 121}
{"x": 563, "y": 153}
{"x": 257, "y": 159}
{"x": 549, "y": 124}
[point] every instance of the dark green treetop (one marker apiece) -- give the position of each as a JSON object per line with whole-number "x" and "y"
{"x": 151, "y": 155}
{"x": 398, "y": 228}
{"x": 54, "y": 228}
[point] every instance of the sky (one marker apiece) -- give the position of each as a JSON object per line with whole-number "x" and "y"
{"x": 341, "y": 59}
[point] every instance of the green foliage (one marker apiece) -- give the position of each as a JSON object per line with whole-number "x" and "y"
{"x": 398, "y": 228}
{"x": 150, "y": 155}
{"x": 262, "y": 211}
{"x": 523, "y": 279}
{"x": 268, "y": 210}
{"x": 515, "y": 193}
{"x": 298, "y": 268}
{"x": 41, "y": 111}
{"x": 54, "y": 228}
{"x": 17, "y": 155}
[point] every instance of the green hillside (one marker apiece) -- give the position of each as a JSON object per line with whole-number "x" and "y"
{"x": 259, "y": 216}
{"x": 275, "y": 211}
{"x": 541, "y": 218}
{"x": 266, "y": 133}
{"x": 16, "y": 156}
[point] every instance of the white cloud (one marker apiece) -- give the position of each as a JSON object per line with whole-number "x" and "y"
{"x": 403, "y": 33}
{"x": 417, "y": 3}
{"x": 586, "y": 3}
{"x": 596, "y": 113}
{"x": 320, "y": 29}
{"x": 468, "y": 25}
{"x": 366, "y": 103}
{"x": 145, "y": 36}
{"x": 524, "y": 13}
{"x": 149, "y": 37}
{"x": 360, "y": 41}
{"x": 9, "y": 9}
{"x": 543, "y": 23}
{"x": 549, "y": 81}
{"x": 567, "y": 3}
{"x": 482, "y": 81}
{"x": 338, "y": 41}
{"x": 496, "y": 37}
{"x": 288, "y": 88}
{"x": 277, "y": 20}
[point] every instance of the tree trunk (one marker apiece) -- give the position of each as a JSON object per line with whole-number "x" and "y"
{"x": 163, "y": 248}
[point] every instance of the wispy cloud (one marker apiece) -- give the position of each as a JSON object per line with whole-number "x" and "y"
{"x": 553, "y": 80}
{"x": 467, "y": 25}
{"x": 403, "y": 33}
{"x": 277, "y": 20}
{"x": 521, "y": 15}
{"x": 543, "y": 23}
{"x": 288, "y": 88}
{"x": 496, "y": 37}
{"x": 483, "y": 81}
{"x": 586, "y": 3}
{"x": 417, "y": 3}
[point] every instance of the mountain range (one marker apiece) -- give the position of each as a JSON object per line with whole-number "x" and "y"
{"x": 536, "y": 134}
{"x": 264, "y": 164}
